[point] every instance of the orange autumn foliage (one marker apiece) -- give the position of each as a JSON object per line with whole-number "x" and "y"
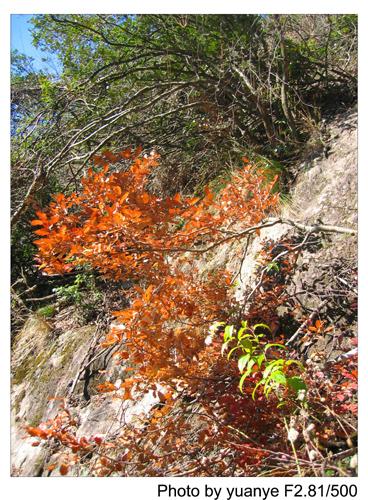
{"x": 125, "y": 232}
{"x": 116, "y": 225}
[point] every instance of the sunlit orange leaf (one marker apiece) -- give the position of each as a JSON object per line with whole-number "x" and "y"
{"x": 126, "y": 154}
{"x": 36, "y": 432}
{"x": 42, "y": 232}
{"x": 118, "y": 218}
{"x": 106, "y": 387}
{"x": 145, "y": 197}
{"x": 37, "y": 222}
{"x": 126, "y": 314}
{"x": 63, "y": 469}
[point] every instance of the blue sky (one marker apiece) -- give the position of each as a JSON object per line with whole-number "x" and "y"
{"x": 21, "y": 39}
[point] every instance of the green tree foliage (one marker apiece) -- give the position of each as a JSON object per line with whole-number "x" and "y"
{"x": 201, "y": 90}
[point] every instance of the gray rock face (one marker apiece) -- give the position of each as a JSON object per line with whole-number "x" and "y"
{"x": 44, "y": 368}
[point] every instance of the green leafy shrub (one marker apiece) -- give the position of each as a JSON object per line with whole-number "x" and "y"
{"x": 83, "y": 285}
{"x": 82, "y": 293}
{"x": 258, "y": 357}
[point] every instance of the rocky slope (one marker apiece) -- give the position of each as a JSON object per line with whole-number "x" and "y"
{"x": 53, "y": 359}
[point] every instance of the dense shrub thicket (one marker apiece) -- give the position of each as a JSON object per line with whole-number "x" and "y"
{"x": 201, "y": 89}
{"x": 202, "y": 94}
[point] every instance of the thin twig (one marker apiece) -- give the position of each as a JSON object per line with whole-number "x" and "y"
{"x": 308, "y": 320}
{"x": 41, "y": 299}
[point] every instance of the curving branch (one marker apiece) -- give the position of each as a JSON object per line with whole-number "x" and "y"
{"x": 316, "y": 228}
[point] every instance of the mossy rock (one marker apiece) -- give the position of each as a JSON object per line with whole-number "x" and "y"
{"x": 47, "y": 311}
{"x": 43, "y": 364}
